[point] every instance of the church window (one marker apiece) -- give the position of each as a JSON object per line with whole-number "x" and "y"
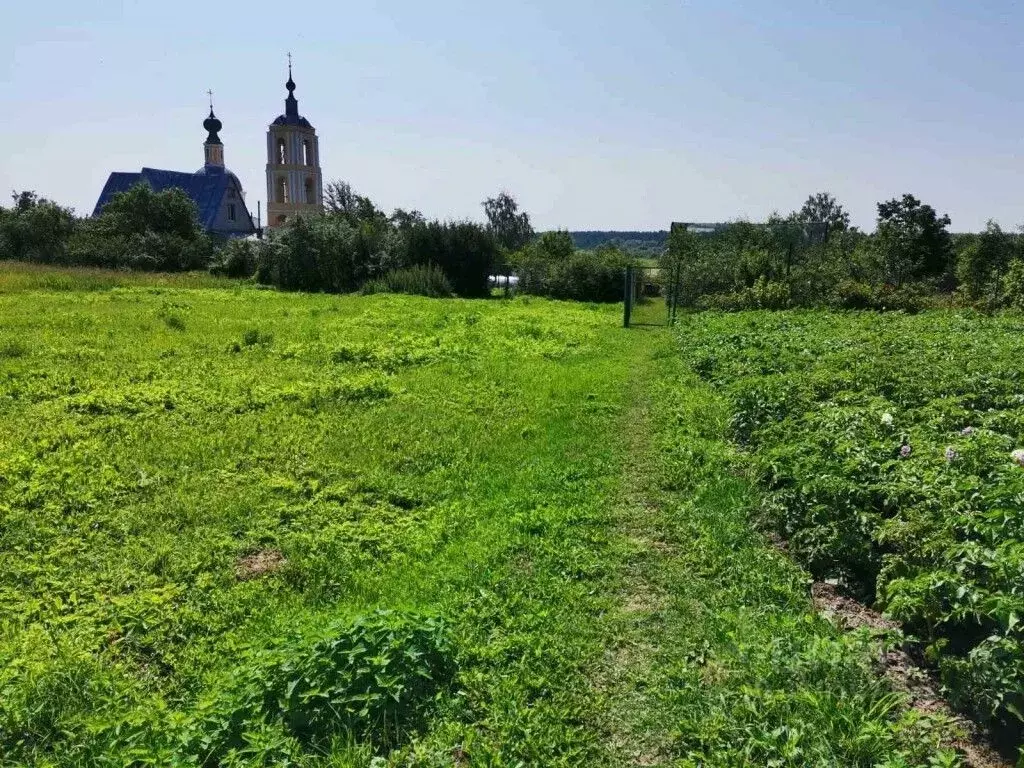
{"x": 307, "y": 155}
{"x": 282, "y": 155}
{"x": 231, "y": 193}
{"x": 310, "y": 197}
{"x": 231, "y": 212}
{"x": 282, "y": 190}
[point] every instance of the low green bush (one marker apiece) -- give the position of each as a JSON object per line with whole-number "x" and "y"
{"x": 552, "y": 267}
{"x": 851, "y": 294}
{"x": 238, "y": 259}
{"x": 1013, "y": 285}
{"x": 418, "y": 280}
{"x": 371, "y": 679}
{"x": 145, "y": 231}
{"x": 763, "y": 294}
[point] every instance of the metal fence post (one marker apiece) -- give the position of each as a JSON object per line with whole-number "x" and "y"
{"x": 627, "y": 298}
{"x": 675, "y": 271}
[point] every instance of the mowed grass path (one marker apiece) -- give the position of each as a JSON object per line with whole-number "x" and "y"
{"x": 189, "y": 476}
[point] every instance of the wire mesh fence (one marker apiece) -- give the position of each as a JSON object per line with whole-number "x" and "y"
{"x": 649, "y": 296}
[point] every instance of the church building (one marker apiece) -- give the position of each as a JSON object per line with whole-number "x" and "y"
{"x": 216, "y": 191}
{"x": 294, "y": 181}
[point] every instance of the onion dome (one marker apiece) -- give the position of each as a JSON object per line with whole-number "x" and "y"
{"x": 291, "y": 114}
{"x": 212, "y": 124}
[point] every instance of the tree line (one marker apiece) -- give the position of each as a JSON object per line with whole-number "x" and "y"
{"x": 810, "y": 257}
{"x": 355, "y": 245}
{"x": 813, "y": 257}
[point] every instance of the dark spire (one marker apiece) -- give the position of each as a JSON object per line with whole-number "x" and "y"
{"x": 212, "y": 124}
{"x": 291, "y": 104}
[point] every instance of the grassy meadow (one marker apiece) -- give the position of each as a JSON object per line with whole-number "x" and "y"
{"x": 240, "y": 528}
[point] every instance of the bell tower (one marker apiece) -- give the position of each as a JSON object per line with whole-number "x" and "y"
{"x": 294, "y": 181}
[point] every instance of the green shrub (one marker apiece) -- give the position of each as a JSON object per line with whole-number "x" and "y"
{"x": 590, "y": 276}
{"x": 371, "y": 679}
{"x": 769, "y": 294}
{"x": 1013, "y": 285}
{"x": 336, "y": 254}
{"x": 11, "y": 348}
{"x": 463, "y": 250}
{"x": 143, "y": 230}
{"x": 253, "y": 337}
{"x": 236, "y": 259}
{"x": 726, "y": 302}
{"x": 35, "y": 229}
{"x": 552, "y": 267}
{"x": 326, "y": 254}
{"x": 851, "y": 294}
{"x": 910, "y": 297}
{"x": 419, "y": 280}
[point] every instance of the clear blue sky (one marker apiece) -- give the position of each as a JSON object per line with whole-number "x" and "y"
{"x": 604, "y": 114}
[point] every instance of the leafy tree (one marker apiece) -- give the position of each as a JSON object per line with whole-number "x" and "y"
{"x": 823, "y": 208}
{"x": 465, "y": 252}
{"x": 356, "y": 243}
{"x": 341, "y": 200}
{"x": 327, "y": 253}
{"x": 141, "y": 210}
{"x": 552, "y": 266}
{"x": 555, "y": 246}
{"x": 1012, "y": 287}
{"x": 983, "y": 260}
{"x": 786, "y": 244}
{"x": 25, "y": 200}
{"x": 512, "y": 230}
{"x": 912, "y": 240}
{"x": 144, "y": 229}
{"x": 35, "y": 229}
{"x": 404, "y": 220}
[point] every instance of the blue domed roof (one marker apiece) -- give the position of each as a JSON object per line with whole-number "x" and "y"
{"x": 298, "y": 120}
{"x": 218, "y": 170}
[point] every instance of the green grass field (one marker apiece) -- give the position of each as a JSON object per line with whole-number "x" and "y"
{"x": 245, "y": 528}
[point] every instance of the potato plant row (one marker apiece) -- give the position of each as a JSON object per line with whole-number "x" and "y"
{"x": 891, "y": 448}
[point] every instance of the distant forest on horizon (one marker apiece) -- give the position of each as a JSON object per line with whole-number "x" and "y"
{"x": 651, "y": 242}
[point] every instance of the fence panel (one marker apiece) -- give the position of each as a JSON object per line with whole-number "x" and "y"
{"x": 649, "y": 297}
